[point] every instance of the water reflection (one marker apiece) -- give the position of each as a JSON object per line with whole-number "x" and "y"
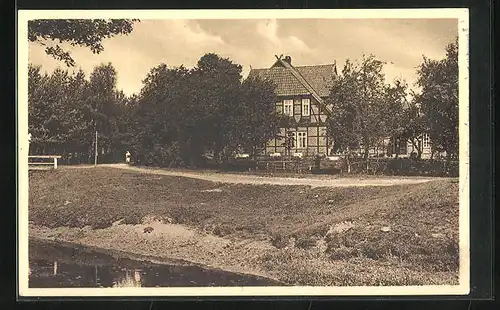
{"x": 128, "y": 280}
{"x": 54, "y": 266}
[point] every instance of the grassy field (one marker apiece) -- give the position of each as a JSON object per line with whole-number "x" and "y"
{"x": 414, "y": 227}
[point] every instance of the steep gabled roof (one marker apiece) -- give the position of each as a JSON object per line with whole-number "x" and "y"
{"x": 319, "y": 77}
{"x": 286, "y": 83}
{"x": 301, "y": 80}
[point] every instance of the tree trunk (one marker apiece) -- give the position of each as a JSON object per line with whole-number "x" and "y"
{"x": 416, "y": 146}
{"x": 395, "y": 147}
{"x": 366, "y": 158}
{"x": 348, "y": 160}
{"x": 447, "y": 162}
{"x": 217, "y": 154}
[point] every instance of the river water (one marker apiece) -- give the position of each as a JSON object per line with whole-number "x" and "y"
{"x": 52, "y": 265}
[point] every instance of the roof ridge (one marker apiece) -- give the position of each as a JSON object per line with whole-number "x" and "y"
{"x": 321, "y": 65}
{"x": 306, "y": 66}
{"x": 269, "y": 68}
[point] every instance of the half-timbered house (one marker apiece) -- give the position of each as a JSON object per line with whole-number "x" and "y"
{"x": 301, "y": 93}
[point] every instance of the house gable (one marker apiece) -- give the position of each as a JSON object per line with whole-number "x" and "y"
{"x": 315, "y": 81}
{"x": 308, "y": 86}
{"x": 286, "y": 83}
{"x": 301, "y": 92}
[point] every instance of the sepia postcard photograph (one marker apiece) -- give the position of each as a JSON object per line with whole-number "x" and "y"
{"x": 243, "y": 153}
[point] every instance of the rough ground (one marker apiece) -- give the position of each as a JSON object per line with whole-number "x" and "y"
{"x": 363, "y": 235}
{"x": 172, "y": 244}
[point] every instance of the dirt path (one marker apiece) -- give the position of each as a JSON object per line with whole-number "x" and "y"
{"x": 251, "y": 179}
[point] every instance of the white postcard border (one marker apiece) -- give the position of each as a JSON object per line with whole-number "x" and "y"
{"x": 462, "y": 15}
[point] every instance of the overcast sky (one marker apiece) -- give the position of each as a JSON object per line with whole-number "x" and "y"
{"x": 400, "y": 42}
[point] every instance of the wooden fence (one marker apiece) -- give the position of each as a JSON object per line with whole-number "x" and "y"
{"x": 298, "y": 166}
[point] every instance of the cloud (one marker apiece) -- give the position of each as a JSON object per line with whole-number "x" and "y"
{"x": 192, "y": 34}
{"x": 268, "y": 29}
{"x": 255, "y": 42}
{"x": 152, "y": 42}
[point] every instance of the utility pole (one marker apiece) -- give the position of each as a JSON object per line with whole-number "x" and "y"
{"x": 96, "y": 150}
{"x": 29, "y": 143}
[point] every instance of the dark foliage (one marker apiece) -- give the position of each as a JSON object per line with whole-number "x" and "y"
{"x": 77, "y": 32}
{"x": 65, "y": 110}
{"x": 439, "y": 100}
{"x": 177, "y": 117}
{"x": 182, "y": 114}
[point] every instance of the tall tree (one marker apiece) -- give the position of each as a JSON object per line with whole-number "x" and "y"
{"x": 259, "y": 122}
{"x": 403, "y": 118}
{"x": 77, "y": 32}
{"x": 65, "y": 110}
{"x": 438, "y": 100}
{"x": 359, "y": 100}
{"x": 78, "y": 90}
{"x": 103, "y": 107}
{"x": 183, "y": 113}
{"x": 125, "y": 122}
{"x": 54, "y": 103}
{"x": 414, "y": 126}
{"x": 37, "y": 106}
{"x": 217, "y": 83}
{"x": 163, "y": 116}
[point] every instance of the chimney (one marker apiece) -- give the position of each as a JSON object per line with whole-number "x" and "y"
{"x": 288, "y": 59}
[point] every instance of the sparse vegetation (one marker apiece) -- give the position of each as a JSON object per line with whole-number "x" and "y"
{"x": 306, "y": 242}
{"x": 412, "y": 227}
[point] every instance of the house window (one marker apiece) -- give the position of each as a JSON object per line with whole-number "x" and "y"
{"x": 419, "y": 110}
{"x": 426, "y": 141}
{"x": 288, "y": 107}
{"x": 403, "y": 147}
{"x": 279, "y": 108}
{"x": 306, "y": 107}
{"x": 301, "y": 139}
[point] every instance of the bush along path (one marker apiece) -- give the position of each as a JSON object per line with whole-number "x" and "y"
{"x": 387, "y": 235}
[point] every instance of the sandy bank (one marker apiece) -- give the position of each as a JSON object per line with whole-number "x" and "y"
{"x": 167, "y": 243}
{"x": 178, "y": 244}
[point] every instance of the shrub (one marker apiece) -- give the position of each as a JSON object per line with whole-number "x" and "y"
{"x": 305, "y": 242}
{"x": 188, "y": 215}
{"x": 279, "y": 241}
{"x": 374, "y": 251}
{"x": 161, "y": 155}
{"x": 403, "y": 166}
{"x": 444, "y": 257}
{"x": 223, "y": 230}
{"x": 101, "y": 224}
{"x": 133, "y": 217}
{"x": 242, "y": 164}
{"x": 342, "y": 253}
